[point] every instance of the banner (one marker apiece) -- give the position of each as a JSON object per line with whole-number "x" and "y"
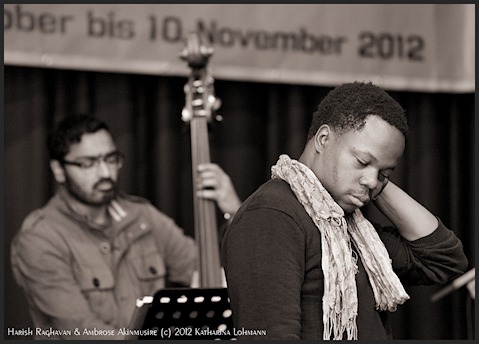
{"x": 424, "y": 47}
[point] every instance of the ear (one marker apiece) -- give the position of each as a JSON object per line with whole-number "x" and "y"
{"x": 58, "y": 171}
{"x": 323, "y": 135}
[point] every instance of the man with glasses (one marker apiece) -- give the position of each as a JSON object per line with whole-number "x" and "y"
{"x": 91, "y": 251}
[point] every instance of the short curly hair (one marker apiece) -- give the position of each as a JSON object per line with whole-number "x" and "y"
{"x": 347, "y": 106}
{"x": 69, "y": 131}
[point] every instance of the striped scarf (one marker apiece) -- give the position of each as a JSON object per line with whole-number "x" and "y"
{"x": 340, "y": 300}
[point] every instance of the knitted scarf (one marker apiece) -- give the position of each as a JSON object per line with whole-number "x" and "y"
{"x": 340, "y": 300}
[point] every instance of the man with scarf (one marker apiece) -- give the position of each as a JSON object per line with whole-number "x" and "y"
{"x": 302, "y": 262}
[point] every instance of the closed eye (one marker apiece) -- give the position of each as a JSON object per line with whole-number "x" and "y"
{"x": 362, "y": 162}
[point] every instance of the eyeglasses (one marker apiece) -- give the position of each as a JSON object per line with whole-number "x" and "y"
{"x": 114, "y": 159}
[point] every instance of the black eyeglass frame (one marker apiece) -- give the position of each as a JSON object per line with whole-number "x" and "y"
{"x": 120, "y": 158}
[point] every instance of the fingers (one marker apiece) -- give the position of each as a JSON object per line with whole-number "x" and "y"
{"x": 207, "y": 182}
{"x": 211, "y": 176}
{"x": 210, "y": 167}
{"x": 213, "y": 183}
{"x": 207, "y": 194}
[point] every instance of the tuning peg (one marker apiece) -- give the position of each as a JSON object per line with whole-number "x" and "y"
{"x": 214, "y": 103}
{"x": 186, "y": 115}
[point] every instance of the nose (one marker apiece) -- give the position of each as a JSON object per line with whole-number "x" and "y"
{"x": 370, "y": 179}
{"x": 103, "y": 169}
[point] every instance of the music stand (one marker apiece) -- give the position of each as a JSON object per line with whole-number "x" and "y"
{"x": 184, "y": 313}
{"x": 454, "y": 285}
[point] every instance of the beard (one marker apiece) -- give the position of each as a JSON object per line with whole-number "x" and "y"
{"x": 101, "y": 194}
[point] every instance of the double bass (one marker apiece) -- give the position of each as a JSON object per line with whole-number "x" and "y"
{"x": 200, "y": 106}
{"x": 176, "y": 310}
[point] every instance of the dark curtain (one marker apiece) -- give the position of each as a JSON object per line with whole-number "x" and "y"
{"x": 260, "y": 122}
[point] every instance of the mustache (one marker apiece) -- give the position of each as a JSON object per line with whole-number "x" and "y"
{"x": 103, "y": 181}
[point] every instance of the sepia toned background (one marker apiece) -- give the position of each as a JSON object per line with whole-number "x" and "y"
{"x": 261, "y": 120}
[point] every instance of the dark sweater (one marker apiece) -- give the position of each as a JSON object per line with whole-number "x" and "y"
{"x": 271, "y": 253}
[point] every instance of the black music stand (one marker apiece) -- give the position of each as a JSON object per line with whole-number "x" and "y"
{"x": 184, "y": 313}
{"x": 455, "y": 284}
